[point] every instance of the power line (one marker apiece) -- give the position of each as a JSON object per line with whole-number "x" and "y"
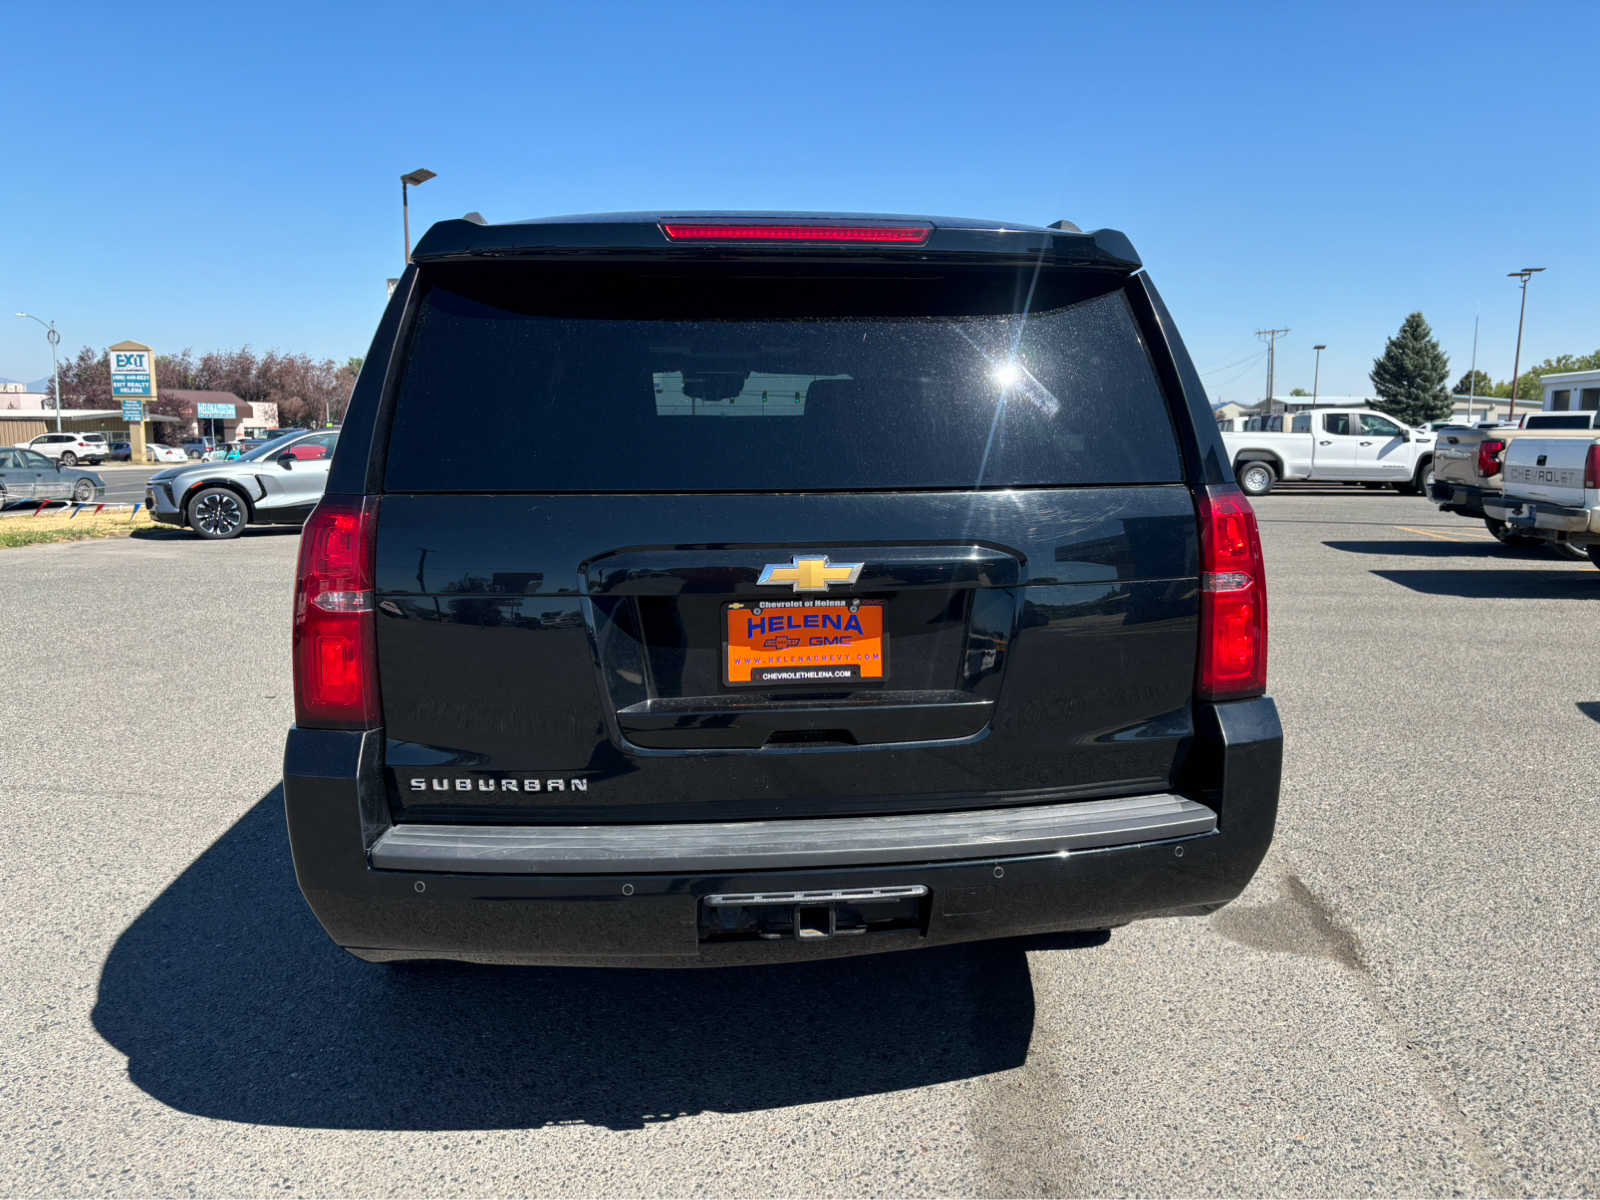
{"x": 1225, "y": 366}
{"x": 1250, "y": 362}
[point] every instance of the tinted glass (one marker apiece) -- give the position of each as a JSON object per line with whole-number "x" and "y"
{"x": 269, "y": 449}
{"x": 1547, "y": 422}
{"x": 1337, "y": 423}
{"x": 870, "y": 384}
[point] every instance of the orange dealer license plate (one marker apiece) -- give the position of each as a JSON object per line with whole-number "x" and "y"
{"x": 815, "y": 642}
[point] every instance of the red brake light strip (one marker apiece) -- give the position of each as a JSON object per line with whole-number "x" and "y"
{"x": 703, "y": 231}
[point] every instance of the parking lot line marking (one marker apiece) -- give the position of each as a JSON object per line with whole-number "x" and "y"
{"x": 1446, "y": 537}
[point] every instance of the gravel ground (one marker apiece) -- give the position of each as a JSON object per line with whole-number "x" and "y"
{"x": 1403, "y": 1002}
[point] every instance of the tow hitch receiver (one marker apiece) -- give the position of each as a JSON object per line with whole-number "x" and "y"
{"x": 813, "y": 915}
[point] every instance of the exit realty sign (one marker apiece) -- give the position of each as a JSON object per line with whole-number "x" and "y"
{"x": 133, "y": 369}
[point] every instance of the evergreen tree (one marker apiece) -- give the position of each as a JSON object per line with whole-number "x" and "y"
{"x": 1474, "y": 383}
{"x": 1410, "y": 376}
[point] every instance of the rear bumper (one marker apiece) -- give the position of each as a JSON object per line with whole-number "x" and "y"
{"x": 1461, "y": 498}
{"x": 635, "y": 896}
{"x": 1541, "y": 516}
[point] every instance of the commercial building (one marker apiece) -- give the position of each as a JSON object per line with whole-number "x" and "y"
{"x": 1571, "y": 391}
{"x": 221, "y": 416}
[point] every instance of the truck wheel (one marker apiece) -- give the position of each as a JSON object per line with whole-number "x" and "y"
{"x": 1256, "y": 478}
{"x": 1594, "y": 555}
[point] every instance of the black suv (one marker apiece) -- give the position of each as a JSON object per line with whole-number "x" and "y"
{"x": 860, "y": 583}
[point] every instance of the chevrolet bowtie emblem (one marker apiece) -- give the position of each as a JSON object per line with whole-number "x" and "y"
{"x": 810, "y": 574}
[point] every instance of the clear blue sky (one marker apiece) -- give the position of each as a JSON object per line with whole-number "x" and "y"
{"x": 199, "y": 175}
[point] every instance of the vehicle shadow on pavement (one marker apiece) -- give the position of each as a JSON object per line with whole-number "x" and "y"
{"x": 1580, "y": 583}
{"x": 168, "y": 533}
{"x": 1482, "y": 548}
{"x": 1590, "y": 709}
{"x": 230, "y": 1002}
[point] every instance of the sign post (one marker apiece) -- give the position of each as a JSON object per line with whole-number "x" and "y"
{"x": 133, "y": 381}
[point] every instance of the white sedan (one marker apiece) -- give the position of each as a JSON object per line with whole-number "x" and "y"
{"x": 158, "y": 453}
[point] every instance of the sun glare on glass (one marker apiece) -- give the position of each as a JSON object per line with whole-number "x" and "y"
{"x": 1006, "y": 374}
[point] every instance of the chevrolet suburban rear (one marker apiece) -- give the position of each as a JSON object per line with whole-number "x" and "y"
{"x": 859, "y": 584}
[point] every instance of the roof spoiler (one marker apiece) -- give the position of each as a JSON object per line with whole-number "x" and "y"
{"x": 640, "y": 235}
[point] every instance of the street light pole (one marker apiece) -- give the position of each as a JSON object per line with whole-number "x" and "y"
{"x": 1525, "y": 274}
{"x": 54, "y": 338}
{"x": 1316, "y": 373}
{"x": 411, "y": 179}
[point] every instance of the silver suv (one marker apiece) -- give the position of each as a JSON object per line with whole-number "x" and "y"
{"x": 277, "y": 483}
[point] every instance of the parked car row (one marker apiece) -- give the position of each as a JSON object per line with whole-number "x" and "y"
{"x": 1468, "y": 466}
{"x": 25, "y": 474}
{"x": 1535, "y": 482}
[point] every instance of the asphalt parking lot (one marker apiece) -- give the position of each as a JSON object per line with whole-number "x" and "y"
{"x": 1403, "y": 1002}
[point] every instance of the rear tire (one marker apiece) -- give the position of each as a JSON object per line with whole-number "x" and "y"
{"x": 1256, "y": 478}
{"x": 69, "y": 459}
{"x": 1594, "y": 555}
{"x": 217, "y": 513}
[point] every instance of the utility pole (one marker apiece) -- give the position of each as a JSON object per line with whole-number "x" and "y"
{"x": 1525, "y": 274}
{"x": 1472, "y": 372}
{"x": 1271, "y": 337}
{"x": 54, "y": 339}
{"x": 1316, "y": 373}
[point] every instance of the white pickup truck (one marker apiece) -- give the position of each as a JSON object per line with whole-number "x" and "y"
{"x": 1550, "y": 490}
{"x": 1339, "y": 445}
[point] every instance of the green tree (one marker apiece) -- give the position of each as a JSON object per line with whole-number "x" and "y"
{"x": 1410, "y": 374}
{"x": 1528, "y": 389}
{"x": 1298, "y": 392}
{"x": 1474, "y": 383}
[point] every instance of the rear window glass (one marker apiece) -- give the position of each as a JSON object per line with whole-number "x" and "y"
{"x": 510, "y": 384}
{"x": 1573, "y": 422}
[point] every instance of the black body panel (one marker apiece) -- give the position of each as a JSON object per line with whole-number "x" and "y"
{"x": 493, "y": 612}
{"x": 331, "y": 791}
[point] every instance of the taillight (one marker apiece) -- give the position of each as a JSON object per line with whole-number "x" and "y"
{"x": 1489, "y": 457}
{"x": 1233, "y": 598}
{"x": 335, "y": 646}
{"x": 746, "y": 231}
{"x": 1591, "y": 467}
